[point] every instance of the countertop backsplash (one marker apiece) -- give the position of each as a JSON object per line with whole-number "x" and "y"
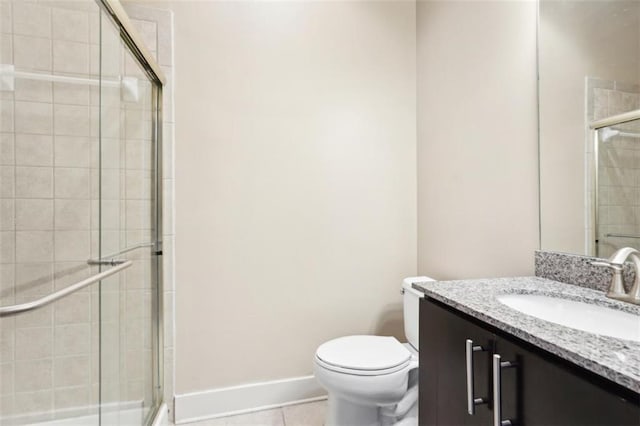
{"x": 577, "y": 270}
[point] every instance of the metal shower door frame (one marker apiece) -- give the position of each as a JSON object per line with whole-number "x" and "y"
{"x": 132, "y": 39}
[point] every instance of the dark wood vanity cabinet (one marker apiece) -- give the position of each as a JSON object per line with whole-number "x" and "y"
{"x": 537, "y": 388}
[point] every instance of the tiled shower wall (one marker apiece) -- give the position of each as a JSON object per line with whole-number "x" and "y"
{"x": 48, "y": 358}
{"x": 49, "y": 211}
{"x": 156, "y": 28}
{"x": 618, "y": 169}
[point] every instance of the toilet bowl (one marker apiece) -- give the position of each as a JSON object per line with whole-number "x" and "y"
{"x": 372, "y": 380}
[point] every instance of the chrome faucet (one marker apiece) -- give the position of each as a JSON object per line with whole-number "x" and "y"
{"x": 615, "y": 263}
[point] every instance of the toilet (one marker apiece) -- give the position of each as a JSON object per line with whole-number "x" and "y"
{"x": 373, "y": 380}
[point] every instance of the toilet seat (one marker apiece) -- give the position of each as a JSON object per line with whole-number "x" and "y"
{"x": 363, "y": 355}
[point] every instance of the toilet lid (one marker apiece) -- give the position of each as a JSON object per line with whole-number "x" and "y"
{"x": 367, "y": 353}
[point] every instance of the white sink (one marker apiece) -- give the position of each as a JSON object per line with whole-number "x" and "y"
{"x": 577, "y": 315}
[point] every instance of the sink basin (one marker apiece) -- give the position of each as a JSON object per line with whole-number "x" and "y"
{"x": 583, "y": 316}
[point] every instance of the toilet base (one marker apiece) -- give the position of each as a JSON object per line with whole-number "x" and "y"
{"x": 342, "y": 412}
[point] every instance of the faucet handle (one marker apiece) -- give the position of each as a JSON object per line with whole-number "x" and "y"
{"x": 616, "y": 289}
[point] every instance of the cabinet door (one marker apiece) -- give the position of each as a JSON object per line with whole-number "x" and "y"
{"x": 443, "y": 372}
{"x": 544, "y": 392}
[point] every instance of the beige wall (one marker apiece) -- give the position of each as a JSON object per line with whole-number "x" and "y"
{"x": 577, "y": 40}
{"x": 477, "y": 145}
{"x": 295, "y": 181}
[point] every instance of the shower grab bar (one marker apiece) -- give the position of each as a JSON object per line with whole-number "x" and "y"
{"x": 623, "y": 236}
{"x": 109, "y": 258}
{"x": 43, "y": 301}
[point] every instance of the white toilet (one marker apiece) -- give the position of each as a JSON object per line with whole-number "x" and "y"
{"x": 373, "y": 380}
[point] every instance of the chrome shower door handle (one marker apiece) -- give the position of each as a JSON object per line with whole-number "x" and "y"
{"x": 472, "y": 401}
{"x": 498, "y": 365}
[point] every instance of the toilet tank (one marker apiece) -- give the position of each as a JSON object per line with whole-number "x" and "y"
{"x": 411, "y": 308}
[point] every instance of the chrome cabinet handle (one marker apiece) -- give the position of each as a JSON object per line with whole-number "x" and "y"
{"x": 471, "y": 400}
{"x": 498, "y": 365}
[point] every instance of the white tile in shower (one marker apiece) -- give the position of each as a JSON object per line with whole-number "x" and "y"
{"x": 32, "y": 53}
{"x": 7, "y": 149}
{"x": 111, "y": 219}
{"x": 73, "y": 339}
{"x": 137, "y": 214}
{"x": 37, "y": 318}
{"x": 32, "y": 279}
{"x": 138, "y": 275}
{"x": 6, "y": 18}
{"x": 70, "y": 25}
{"x": 138, "y": 154}
{"x": 111, "y": 184}
{"x": 33, "y": 150}
{"x": 7, "y": 116}
{"x": 73, "y": 397}
{"x": 31, "y": 19}
{"x": 72, "y": 214}
{"x": 33, "y": 343}
{"x": 137, "y": 124}
{"x": 72, "y": 183}
{"x": 169, "y": 305}
{"x": 67, "y": 273}
{"x": 34, "y": 214}
{"x": 33, "y": 90}
{"x": 7, "y": 342}
{"x": 6, "y": 48}
{"x": 72, "y": 120}
{"x": 33, "y": 375}
{"x": 111, "y": 153}
{"x": 7, "y": 246}
{"x": 73, "y": 309}
{"x": 148, "y": 32}
{"x": 7, "y": 214}
{"x": 73, "y": 94}
{"x": 7, "y": 181}
{"x": 72, "y": 245}
{"x": 6, "y": 378}
{"x": 30, "y": 402}
{"x": 33, "y": 117}
{"x": 34, "y": 246}
{"x": 72, "y": 151}
{"x": 70, "y": 57}
{"x": 138, "y": 184}
{"x": 72, "y": 371}
{"x": 94, "y": 28}
{"x": 34, "y": 182}
{"x": 167, "y": 97}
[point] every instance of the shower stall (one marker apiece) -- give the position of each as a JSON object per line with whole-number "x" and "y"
{"x": 616, "y": 179}
{"x": 80, "y": 216}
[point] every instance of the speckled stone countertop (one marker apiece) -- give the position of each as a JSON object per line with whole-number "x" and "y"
{"x": 615, "y": 359}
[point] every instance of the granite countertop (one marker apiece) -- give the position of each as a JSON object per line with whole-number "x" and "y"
{"x": 615, "y": 359}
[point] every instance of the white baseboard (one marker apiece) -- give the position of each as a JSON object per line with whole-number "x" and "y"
{"x": 209, "y": 404}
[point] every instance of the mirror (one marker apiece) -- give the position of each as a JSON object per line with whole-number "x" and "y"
{"x": 589, "y": 72}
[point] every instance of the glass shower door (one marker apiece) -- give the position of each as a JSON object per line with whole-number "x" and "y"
{"x": 618, "y": 195}
{"x": 128, "y": 231}
{"x": 78, "y": 197}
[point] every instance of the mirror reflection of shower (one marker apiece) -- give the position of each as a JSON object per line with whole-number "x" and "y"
{"x": 616, "y": 201}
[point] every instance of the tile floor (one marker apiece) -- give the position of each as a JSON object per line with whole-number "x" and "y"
{"x": 310, "y": 414}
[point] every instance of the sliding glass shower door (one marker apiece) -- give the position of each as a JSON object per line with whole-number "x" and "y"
{"x": 79, "y": 235}
{"x": 617, "y": 200}
{"x": 128, "y": 231}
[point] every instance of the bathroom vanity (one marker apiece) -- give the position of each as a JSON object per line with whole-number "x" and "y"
{"x": 485, "y": 363}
